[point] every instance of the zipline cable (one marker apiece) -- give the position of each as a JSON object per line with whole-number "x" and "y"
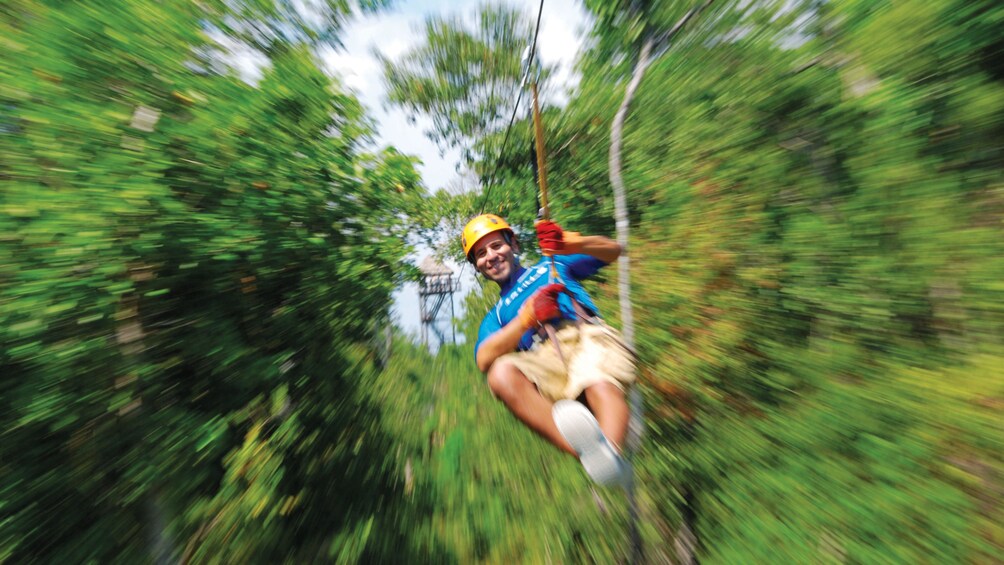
{"x": 515, "y": 109}
{"x": 512, "y": 119}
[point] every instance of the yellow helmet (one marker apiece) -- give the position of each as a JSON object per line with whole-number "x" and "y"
{"x": 479, "y": 227}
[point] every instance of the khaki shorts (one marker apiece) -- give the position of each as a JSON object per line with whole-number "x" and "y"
{"x": 598, "y": 355}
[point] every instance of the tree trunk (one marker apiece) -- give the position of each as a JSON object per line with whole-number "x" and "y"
{"x": 685, "y": 541}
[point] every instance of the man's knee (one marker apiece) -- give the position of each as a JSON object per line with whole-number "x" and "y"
{"x": 504, "y": 380}
{"x": 604, "y": 392}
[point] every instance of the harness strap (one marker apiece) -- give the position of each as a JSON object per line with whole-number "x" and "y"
{"x": 551, "y": 334}
{"x": 582, "y": 315}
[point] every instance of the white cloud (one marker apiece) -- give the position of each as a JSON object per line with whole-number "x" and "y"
{"x": 395, "y": 48}
{"x": 358, "y": 72}
{"x": 249, "y": 63}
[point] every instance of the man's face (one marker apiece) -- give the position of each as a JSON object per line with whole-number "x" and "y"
{"x": 494, "y": 258}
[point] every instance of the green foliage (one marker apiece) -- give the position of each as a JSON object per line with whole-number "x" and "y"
{"x": 491, "y": 490}
{"x": 463, "y": 80}
{"x": 811, "y": 246}
{"x": 190, "y": 268}
{"x": 272, "y": 26}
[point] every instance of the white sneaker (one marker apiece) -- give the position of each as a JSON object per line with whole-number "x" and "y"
{"x": 580, "y": 428}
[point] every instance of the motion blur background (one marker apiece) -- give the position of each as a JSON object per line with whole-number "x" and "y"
{"x": 209, "y": 212}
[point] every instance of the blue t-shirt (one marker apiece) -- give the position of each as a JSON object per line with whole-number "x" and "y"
{"x": 571, "y": 270}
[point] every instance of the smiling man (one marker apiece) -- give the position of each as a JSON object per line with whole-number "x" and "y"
{"x": 542, "y": 380}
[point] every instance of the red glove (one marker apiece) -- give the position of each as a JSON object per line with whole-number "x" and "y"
{"x": 550, "y": 236}
{"x": 555, "y": 241}
{"x": 542, "y": 306}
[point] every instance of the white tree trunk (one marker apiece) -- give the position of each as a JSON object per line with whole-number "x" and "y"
{"x": 685, "y": 541}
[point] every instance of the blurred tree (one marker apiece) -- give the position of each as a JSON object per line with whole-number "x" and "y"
{"x": 271, "y": 26}
{"x": 464, "y": 80}
{"x": 467, "y": 82}
{"x": 189, "y": 269}
{"x": 788, "y": 297}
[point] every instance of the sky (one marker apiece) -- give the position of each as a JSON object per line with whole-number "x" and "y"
{"x": 395, "y": 31}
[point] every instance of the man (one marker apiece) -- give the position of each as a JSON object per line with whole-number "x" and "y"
{"x": 536, "y": 380}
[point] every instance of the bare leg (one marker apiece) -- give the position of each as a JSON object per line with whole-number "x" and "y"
{"x": 522, "y": 398}
{"x": 608, "y": 404}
